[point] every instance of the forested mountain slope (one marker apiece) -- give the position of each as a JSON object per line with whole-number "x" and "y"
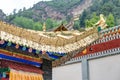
{"x": 55, "y": 12}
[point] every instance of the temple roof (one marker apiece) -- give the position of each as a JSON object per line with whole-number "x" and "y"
{"x": 53, "y": 45}
{"x": 61, "y": 28}
{"x": 62, "y": 42}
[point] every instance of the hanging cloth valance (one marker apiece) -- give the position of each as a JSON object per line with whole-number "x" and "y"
{"x": 20, "y": 75}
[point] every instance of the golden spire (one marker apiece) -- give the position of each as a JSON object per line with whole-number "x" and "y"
{"x": 44, "y": 27}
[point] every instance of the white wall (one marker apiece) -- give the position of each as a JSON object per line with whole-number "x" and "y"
{"x": 68, "y": 72}
{"x": 107, "y": 68}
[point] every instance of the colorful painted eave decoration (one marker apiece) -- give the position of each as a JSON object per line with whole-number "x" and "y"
{"x": 51, "y": 55}
{"x": 18, "y": 55}
{"x": 3, "y": 56}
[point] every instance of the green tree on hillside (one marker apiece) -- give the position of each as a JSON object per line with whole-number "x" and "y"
{"x": 27, "y": 23}
{"x": 51, "y": 24}
{"x": 76, "y": 24}
{"x": 37, "y": 26}
{"x": 82, "y": 19}
{"x": 110, "y": 20}
{"x": 92, "y": 21}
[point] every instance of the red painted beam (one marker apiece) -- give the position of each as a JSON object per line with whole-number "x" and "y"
{"x": 100, "y": 47}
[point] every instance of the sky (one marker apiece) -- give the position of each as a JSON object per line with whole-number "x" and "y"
{"x": 8, "y": 6}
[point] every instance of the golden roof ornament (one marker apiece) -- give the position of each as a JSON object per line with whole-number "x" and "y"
{"x": 102, "y": 22}
{"x": 44, "y": 27}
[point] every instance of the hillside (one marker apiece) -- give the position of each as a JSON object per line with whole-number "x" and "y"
{"x": 55, "y": 9}
{"x": 52, "y": 12}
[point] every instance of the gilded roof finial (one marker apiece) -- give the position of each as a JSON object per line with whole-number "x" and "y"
{"x": 44, "y": 27}
{"x": 101, "y": 22}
